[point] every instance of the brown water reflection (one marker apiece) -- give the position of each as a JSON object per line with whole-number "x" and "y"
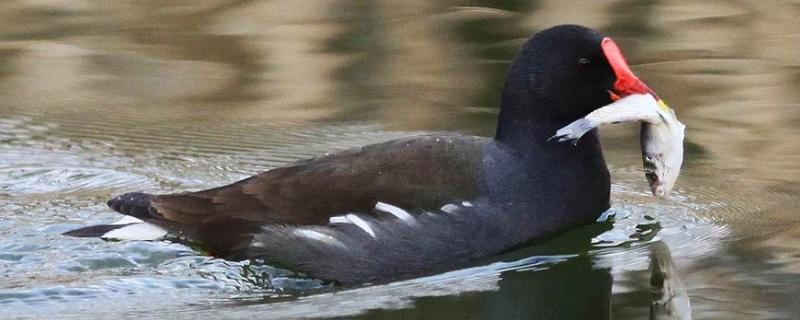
{"x": 103, "y": 97}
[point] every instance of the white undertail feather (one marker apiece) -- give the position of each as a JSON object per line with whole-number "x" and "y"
{"x": 135, "y": 231}
{"x": 127, "y": 220}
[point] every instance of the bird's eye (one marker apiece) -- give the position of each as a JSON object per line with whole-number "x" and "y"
{"x": 584, "y": 63}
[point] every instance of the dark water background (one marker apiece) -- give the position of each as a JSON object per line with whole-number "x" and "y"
{"x": 103, "y": 97}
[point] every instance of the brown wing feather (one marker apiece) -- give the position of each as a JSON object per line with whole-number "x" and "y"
{"x": 413, "y": 173}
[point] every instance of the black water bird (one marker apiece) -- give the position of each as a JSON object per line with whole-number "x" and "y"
{"x": 422, "y": 204}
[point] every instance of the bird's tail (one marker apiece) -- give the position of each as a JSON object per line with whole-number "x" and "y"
{"x": 136, "y": 205}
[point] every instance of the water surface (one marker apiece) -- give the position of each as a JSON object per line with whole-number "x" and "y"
{"x": 163, "y": 96}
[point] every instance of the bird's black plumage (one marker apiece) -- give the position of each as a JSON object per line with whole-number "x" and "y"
{"x": 461, "y": 197}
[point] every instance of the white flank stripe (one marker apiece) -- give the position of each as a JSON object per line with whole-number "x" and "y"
{"x": 466, "y": 204}
{"x": 449, "y": 208}
{"x": 395, "y": 211}
{"x": 258, "y": 244}
{"x": 361, "y": 224}
{"x": 338, "y": 219}
{"x": 138, "y": 231}
{"x": 318, "y": 236}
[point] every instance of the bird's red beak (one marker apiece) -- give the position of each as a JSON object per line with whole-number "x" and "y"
{"x": 627, "y": 83}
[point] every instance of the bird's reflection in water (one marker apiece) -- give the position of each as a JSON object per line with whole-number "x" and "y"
{"x": 535, "y": 284}
{"x": 575, "y": 289}
{"x": 557, "y": 279}
{"x": 578, "y": 289}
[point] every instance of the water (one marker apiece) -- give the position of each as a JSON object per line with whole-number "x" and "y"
{"x": 104, "y": 98}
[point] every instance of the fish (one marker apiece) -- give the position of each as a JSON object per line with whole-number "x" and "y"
{"x": 661, "y": 136}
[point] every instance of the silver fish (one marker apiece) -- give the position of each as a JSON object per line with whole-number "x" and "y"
{"x": 661, "y": 137}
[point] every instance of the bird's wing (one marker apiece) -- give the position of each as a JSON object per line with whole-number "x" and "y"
{"x": 419, "y": 173}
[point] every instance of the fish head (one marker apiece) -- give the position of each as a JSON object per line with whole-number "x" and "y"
{"x": 662, "y": 152}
